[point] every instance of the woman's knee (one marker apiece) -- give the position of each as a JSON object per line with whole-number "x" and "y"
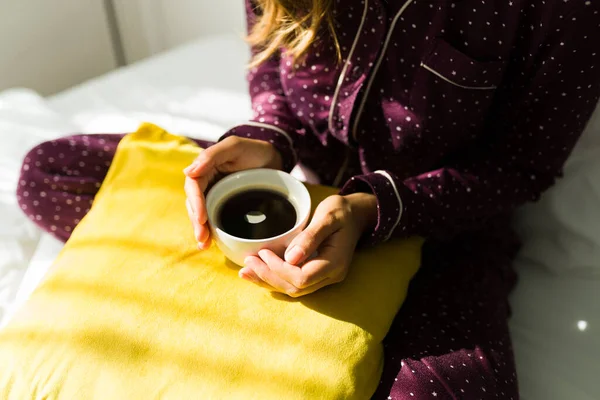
{"x": 33, "y": 178}
{"x": 40, "y": 179}
{"x": 60, "y": 178}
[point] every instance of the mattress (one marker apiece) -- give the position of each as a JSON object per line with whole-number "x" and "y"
{"x": 199, "y": 90}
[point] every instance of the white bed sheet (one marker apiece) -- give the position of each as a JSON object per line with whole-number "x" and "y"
{"x": 25, "y": 120}
{"x": 199, "y": 90}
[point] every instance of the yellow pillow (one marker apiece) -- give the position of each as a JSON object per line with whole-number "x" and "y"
{"x": 132, "y": 310}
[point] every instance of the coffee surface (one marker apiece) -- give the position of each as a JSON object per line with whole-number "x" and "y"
{"x": 256, "y": 214}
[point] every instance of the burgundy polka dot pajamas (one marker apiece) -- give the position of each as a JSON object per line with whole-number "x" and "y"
{"x": 453, "y": 113}
{"x": 60, "y": 178}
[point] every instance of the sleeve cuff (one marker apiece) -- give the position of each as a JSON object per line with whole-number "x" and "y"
{"x": 269, "y": 133}
{"x": 389, "y": 203}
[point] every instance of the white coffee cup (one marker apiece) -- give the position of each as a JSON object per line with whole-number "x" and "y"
{"x": 237, "y": 249}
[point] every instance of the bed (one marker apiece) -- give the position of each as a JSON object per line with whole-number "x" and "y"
{"x": 190, "y": 90}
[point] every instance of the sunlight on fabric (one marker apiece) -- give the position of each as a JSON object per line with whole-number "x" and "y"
{"x": 109, "y": 122}
{"x": 213, "y": 105}
{"x": 582, "y": 325}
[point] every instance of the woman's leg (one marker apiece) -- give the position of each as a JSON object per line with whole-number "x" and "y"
{"x": 450, "y": 340}
{"x": 60, "y": 178}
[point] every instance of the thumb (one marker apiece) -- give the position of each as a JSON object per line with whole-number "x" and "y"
{"x": 309, "y": 240}
{"x": 214, "y": 157}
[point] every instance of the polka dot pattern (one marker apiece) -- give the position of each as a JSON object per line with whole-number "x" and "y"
{"x": 444, "y": 342}
{"x": 60, "y": 178}
{"x": 468, "y": 107}
{"x": 471, "y": 109}
{"x": 388, "y": 203}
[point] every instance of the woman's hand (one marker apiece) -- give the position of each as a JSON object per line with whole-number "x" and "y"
{"x": 231, "y": 155}
{"x": 322, "y": 253}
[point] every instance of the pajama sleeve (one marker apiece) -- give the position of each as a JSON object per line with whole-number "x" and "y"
{"x": 272, "y": 121}
{"x": 519, "y": 160}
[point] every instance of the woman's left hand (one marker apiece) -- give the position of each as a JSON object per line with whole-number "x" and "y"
{"x": 332, "y": 235}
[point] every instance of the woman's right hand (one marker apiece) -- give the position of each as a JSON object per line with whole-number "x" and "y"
{"x": 230, "y": 155}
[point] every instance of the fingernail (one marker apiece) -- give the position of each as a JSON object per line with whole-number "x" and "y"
{"x": 246, "y": 262}
{"x": 262, "y": 254}
{"x": 246, "y": 277}
{"x": 294, "y": 255}
{"x": 190, "y": 208}
{"x": 188, "y": 169}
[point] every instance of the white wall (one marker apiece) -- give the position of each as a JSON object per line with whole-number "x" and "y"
{"x": 151, "y": 26}
{"x": 49, "y": 45}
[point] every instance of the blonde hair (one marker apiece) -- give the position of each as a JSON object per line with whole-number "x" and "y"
{"x": 292, "y": 25}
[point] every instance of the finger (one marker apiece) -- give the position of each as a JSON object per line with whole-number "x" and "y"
{"x": 249, "y": 275}
{"x": 252, "y": 278}
{"x": 204, "y": 238}
{"x": 201, "y": 232}
{"x": 264, "y": 274}
{"x": 193, "y": 219}
{"x": 211, "y": 158}
{"x": 194, "y": 192}
{"x": 204, "y": 245}
{"x": 192, "y": 170}
{"x": 333, "y": 260}
{"x": 308, "y": 241}
{"x": 324, "y": 266}
{"x": 315, "y": 287}
{"x": 299, "y": 277}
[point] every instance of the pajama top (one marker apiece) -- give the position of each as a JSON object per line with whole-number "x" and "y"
{"x": 452, "y": 112}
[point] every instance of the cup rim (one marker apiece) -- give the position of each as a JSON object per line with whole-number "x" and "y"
{"x": 284, "y": 175}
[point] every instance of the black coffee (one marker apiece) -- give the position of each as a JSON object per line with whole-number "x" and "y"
{"x": 256, "y": 214}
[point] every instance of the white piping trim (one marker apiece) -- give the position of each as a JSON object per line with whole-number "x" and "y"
{"x": 273, "y": 128}
{"x": 400, "y": 204}
{"x": 278, "y": 130}
{"x": 428, "y": 68}
{"x": 376, "y": 68}
{"x": 338, "y": 87}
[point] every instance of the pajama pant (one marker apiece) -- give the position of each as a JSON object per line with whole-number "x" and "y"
{"x": 450, "y": 339}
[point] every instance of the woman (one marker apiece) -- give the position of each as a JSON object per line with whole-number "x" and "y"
{"x": 436, "y": 118}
